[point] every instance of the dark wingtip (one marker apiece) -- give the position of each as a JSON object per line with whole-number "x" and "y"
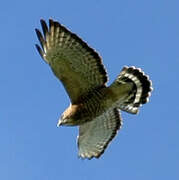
{"x": 39, "y": 50}
{"x": 39, "y": 35}
{"x": 37, "y": 31}
{"x": 51, "y": 22}
{"x": 42, "y": 21}
{"x": 44, "y": 27}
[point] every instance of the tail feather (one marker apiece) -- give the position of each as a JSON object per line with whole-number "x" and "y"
{"x": 139, "y": 93}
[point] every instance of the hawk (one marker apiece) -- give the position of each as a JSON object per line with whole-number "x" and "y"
{"x": 95, "y": 107}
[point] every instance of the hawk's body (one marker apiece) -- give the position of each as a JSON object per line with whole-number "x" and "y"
{"x": 94, "y": 106}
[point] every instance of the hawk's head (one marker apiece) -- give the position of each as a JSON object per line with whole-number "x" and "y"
{"x": 68, "y": 118}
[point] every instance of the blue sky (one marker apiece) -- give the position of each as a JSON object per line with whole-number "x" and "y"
{"x": 141, "y": 33}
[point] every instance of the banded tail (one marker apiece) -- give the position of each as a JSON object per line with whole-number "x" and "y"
{"x": 133, "y": 89}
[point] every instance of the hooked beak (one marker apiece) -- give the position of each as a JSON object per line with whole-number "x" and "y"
{"x": 59, "y": 123}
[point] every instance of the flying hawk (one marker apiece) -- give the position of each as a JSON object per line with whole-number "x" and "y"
{"x": 95, "y": 107}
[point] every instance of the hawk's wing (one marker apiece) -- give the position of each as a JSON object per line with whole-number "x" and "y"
{"x": 77, "y": 65}
{"x": 94, "y": 136}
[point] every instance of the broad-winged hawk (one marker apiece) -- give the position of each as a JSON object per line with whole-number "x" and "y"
{"x": 95, "y": 107}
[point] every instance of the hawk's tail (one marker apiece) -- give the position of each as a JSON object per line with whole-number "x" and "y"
{"x": 138, "y": 89}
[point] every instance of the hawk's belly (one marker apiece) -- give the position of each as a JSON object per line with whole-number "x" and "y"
{"x": 93, "y": 105}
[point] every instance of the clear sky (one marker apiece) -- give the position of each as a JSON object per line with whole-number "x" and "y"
{"x": 141, "y": 33}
